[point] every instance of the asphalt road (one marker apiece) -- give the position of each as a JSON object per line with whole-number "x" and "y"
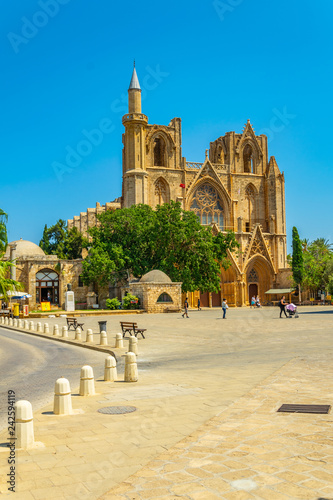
{"x": 30, "y": 366}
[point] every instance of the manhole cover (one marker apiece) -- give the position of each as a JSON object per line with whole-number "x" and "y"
{"x": 116, "y": 410}
{"x": 304, "y": 409}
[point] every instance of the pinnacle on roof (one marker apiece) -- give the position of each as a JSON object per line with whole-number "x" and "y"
{"x": 135, "y": 81}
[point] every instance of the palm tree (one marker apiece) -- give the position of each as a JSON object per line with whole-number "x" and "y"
{"x": 7, "y": 284}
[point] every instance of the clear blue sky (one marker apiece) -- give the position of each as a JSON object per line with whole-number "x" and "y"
{"x": 217, "y": 64}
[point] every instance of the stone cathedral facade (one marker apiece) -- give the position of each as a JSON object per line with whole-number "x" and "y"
{"x": 238, "y": 188}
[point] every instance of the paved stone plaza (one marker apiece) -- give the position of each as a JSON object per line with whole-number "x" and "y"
{"x": 206, "y": 425}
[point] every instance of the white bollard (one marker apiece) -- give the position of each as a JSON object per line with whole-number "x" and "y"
{"x": 110, "y": 370}
{"x": 39, "y": 327}
{"x": 133, "y": 345}
{"x": 2, "y": 320}
{"x": 20, "y": 323}
{"x": 65, "y": 331}
{"x": 26, "y": 324}
{"x": 62, "y": 397}
{"x": 10, "y": 322}
{"x": 24, "y": 426}
{"x": 32, "y": 326}
{"x": 15, "y": 323}
{"x": 103, "y": 338}
{"x": 46, "y": 328}
{"x": 6, "y": 320}
{"x": 56, "y": 330}
{"x": 131, "y": 369}
{"x": 90, "y": 336}
{"x": 119, "y": 340}
{"x": 87, "y": 383}
{"x": 78, "y": 335}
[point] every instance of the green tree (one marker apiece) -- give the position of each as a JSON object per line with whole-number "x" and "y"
{"x": 297, "y": 263}
{"x": 6, "y": 283}
{"x": 168, "y": 238}
{"x": 3, "y": 231}
{"x": 318, "y": 265}
{"x": 66, "y": 244}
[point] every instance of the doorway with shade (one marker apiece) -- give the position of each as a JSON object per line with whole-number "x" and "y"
{"x": 253, "y": 291}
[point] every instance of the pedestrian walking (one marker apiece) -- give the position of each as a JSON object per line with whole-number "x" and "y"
{"x": 185, "y": 308}
{"x": 199, "y": 308}
{"x": 224, "y": 307}
{"x": 282, "y": 305}
{"x": 253, "y": 302}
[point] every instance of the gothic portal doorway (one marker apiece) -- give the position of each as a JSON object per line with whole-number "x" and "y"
{"x": 253, "y": 291}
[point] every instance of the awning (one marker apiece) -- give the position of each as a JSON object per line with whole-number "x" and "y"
{"x": 280, "y": 291}
{"x": 14, "y": 294}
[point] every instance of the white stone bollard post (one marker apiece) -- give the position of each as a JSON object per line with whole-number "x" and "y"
{"x": 87, "y": 383}
{"x": 62, "y": 397}
{"x": 46, "y": 328}
{"x": 90, "y": 336}
{"x": 2, "y": 320}
{"x": 10, "y": 322}
{"x": 119, "y": 340}
{"x": 15, "y": 323}
{"x": 110, "y": 370}
{"x": 26, "y": 324}
{"x": 24, "y": 426}
{"x": 103, "y": 338}
{"x": 133, "y": 345}
{"x": 56, "y": 330}
{"x": 32, "y": 326}
{"x": 78, "y": 335}
{"x": 39, "y": 327}
{"x": 65, "y": 331}
{"x": 6, "y": 321}
{"x": 131, "y": 368}
{"x": 20, "y": 323}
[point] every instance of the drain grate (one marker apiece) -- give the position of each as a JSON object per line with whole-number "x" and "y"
{"x": 116, "y": 410}
{"x": 304, "y": 409}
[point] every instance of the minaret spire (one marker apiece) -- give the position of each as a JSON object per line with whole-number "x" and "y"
{"x": 134, "y": 81}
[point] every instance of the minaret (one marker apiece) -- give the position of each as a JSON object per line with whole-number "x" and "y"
{"x": 135, "y": 177}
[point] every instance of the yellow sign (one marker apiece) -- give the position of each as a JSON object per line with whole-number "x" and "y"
{"x": 46, "y": 306}
{"x": 312, "y": 299}
{"x": 329, "y": 297}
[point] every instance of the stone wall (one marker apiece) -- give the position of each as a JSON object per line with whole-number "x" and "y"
{"x": 149, "y": 293}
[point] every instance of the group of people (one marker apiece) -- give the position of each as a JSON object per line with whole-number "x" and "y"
{"x": 255, "y": 302}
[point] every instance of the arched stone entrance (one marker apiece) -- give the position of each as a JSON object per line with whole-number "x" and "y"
{"x": 259, "y": 278}
{"x": 47, "y": 286}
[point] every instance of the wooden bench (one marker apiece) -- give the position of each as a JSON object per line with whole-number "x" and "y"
{"x": 72, "y": 322}
{"x": 132, "y": 329}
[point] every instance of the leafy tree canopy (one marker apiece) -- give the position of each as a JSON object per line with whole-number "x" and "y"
{"x": 66, "y": 244}
{"x": 6, "y": 283}
{"x": 138, "y": 239}
{"x": 318, "y": 264}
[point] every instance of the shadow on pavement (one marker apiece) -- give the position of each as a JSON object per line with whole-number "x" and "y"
{"x": 317, "y": 312}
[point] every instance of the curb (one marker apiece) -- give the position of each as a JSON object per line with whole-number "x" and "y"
{"x": 60, "y": 339}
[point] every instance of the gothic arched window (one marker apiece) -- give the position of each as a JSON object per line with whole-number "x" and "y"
{"x": 207, "y": 205}
{"x": 251, "y": 202}
{"x": 161, "y": 192}
{"x": 253, "y": 276}
{"x": 248, "y": 160}
{"x": 159, "y": 152}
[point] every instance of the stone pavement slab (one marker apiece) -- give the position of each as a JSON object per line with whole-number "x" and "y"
{"x": 189, "y": 372}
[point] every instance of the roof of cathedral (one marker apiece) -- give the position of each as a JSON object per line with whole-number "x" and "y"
{"x": 135, "y": 81}
{"x": 24, "y": 248}
{"x": 155, "y": 276}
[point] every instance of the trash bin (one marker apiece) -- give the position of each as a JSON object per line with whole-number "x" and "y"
{"x": 102, "y": 326}
{"x": 16, "y": 310}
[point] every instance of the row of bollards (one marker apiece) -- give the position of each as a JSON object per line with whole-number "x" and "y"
{"x": 62, "y": 405}
{"x": 30, "y": 325}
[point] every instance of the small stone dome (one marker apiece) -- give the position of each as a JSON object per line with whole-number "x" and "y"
{"x": 24, "y": 248}
{"x": 155, "y": 276}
